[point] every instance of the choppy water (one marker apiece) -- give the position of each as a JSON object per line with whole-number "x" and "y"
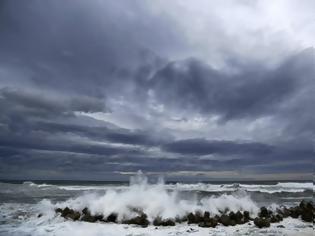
{"x": 21, "y": 202}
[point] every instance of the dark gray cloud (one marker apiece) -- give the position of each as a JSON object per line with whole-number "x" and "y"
{"x": 103, "y": 88}
{"x": 204, "y": 147}
{"x": 193, "y": 85}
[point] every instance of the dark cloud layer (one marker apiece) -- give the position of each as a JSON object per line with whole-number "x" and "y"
{"x": 97, "y": 89}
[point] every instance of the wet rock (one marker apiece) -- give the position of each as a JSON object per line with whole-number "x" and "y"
{"x": 206, "y": 215}
{"x": 285, "y": 212}
{"x": 306, "y": 211}
{"x": 275, "y": 219}
{"x": 69, "y": 213}
{"x": 191, "y": 218}
{"x": 85, "y": 211}
{"x": 198, "y": 217}
{"x": 280, "y": 226}
{"x": 88, "y": 217}
{"x": 99, "y": 217}
{"x": 179, "y": 219}
{"x": 226, "y": 221}
{"x": 217, "y": 218}
{"x": 58, "y": 210}
{"x": 138, "y": 220}
{"x": 281, "y": 217}
{"x": 246, "y": 216}
{"x": 39, "y": 215}
{"x": 208, "y": 222}
{"x": 66, "y": 211}
{"x": 112, "y": 218}
{"x": 157, "y": 221}
{"x": 262, "y": 222}
{"x": 264, "y": 212}
{"x": 239, "y": 215}
{"x": 306, "y": 205}
{"x": 307, "y": 216}
{"x": 167, "y": 222}
{"x": 75, "y": 215}
{"x": 295, "y": 212}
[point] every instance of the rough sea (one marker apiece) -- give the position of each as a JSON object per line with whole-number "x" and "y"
{"x": 21, "y": 202}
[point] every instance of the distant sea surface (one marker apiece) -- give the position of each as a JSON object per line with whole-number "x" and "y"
{"x": 21, "y": 202}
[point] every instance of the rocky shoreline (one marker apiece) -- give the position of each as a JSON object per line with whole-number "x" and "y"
{"x": 305, "y": 211}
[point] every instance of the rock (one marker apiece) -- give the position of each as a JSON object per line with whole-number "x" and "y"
{"x": 246, "y": 216}
{"x": 179, "y": 219}
{"x": 112, "y": 218}
{"x": 167, "y": 222}
{"x": 66, "y": 212}
{"x": 279, "y": 217}
{"x": 276, "y": 218}
{"x": 295, "y": 212}
{"x": 58, "y": 210}
{"x": 262, "y": 222}
{"x": 280, "y": 226}
{"x": 306, "y": 205}
{"x": 138, "y": 220}
{"x": 208, "y": 222}
{"x": 85, "y": 211}
{"x": 239, "y": 218}
{"x": 198, "y": 217}
{"x": 264, "y": 212}
{"x": 306, "y": 209}
{"x": 88, "y": 218}
{"x": 39, "y": 215}
{"x": 75, "y": 215}
{"x": 233, "y": 222}
{"x": 233, "y": 218}
{"x": 285, "y": 212}
{"x": 273, "y": 219}
{"x": 307, "y": 216}
{"x": 191, "y": 218}
{"x": 99, "y": 217}
{"x": 225, "y": 220}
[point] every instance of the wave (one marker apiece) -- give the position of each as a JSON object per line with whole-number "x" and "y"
{"x": 32, "y": 184}
{"x": 281, "y": 187}
{"x": 296, "y": 185}
{"x": 155, "y": 200}
{"x": 275, "y": 188}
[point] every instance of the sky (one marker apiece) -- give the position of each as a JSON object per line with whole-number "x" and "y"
{"x": 188, "y": 90}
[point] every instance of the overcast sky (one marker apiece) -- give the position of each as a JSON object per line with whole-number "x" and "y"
{"x": 191, "y": 90}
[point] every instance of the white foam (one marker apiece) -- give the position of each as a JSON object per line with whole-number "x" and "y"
{"x": 58, "y": 227}
{"x": 155, "y": 200}
{"x": 292, "y": 185}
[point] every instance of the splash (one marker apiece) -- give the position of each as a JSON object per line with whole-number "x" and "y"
{"x": 156, "y": 200}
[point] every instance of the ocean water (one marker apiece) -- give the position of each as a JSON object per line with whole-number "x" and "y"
{"x": 22, "y": 202}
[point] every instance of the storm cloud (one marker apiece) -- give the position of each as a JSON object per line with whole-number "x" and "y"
{"x": 101, "y": 89}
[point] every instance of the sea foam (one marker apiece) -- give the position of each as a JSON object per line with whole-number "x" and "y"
{"x": 156, "y": 200}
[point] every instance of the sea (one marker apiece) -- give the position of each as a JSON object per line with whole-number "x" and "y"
{"x": 28, "y": 207}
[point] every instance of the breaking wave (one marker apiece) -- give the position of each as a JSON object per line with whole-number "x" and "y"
{"x": 155, "y": 200}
